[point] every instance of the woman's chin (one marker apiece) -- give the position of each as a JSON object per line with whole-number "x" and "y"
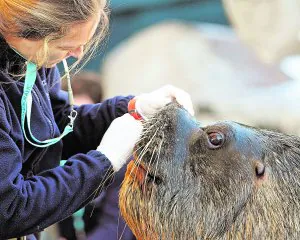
{"x": 50, "y": 65}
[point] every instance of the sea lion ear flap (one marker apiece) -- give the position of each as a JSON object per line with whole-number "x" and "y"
{"x": 260, "y": 172}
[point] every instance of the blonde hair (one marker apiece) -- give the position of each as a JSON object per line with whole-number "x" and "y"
{"x": 49, "y": 20}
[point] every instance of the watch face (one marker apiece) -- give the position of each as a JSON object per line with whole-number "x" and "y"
{"x": 271, "y": 28}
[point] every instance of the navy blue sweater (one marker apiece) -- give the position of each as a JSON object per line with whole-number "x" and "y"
{"x": 35, "y": 191}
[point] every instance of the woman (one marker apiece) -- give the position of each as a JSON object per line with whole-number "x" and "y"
{"x": 39, "y": 126}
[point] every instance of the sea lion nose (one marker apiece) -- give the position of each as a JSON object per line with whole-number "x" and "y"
{"x": 187, "y": 126}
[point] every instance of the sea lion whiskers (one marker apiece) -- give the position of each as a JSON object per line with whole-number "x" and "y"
{"x": 146, "y": 179}
{"x": 99, "y": 189}
{"x": 158, "y": 154}
{"x": 146, "y": 129}
{"x": 155, "y": 172}
{"x": 156, "y": 151}
{"x": 137, "y": 160}
{"x": 154, "y": 157}
{"x": 148, "y": 125}
{"x": 149, "y": 164}
{"x": 140, "y": 156}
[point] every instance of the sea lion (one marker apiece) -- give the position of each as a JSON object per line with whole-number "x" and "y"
{"x": 221, "y": 181}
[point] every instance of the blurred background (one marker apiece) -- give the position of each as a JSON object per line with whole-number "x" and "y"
{"x": 237, "y": 58}
{"x": 131, "y": 16}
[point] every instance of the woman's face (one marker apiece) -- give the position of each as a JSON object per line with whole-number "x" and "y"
{"x": 71, "y": 45}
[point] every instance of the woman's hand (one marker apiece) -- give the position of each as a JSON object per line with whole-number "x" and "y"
{"x": 119, "y": 139}
{"x": 149, "y": 103}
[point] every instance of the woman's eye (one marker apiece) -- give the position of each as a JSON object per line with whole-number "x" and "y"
{"x": 215, "y": 140}
{"x": 66, "y": 49}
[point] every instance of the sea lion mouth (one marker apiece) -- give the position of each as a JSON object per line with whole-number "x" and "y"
{"x": 140, "y": 173}
{"x": 136, "y": 172}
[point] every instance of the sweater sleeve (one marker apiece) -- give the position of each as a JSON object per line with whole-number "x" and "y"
{"x": 92, "y": 120}
{"x": 32, "y": 204}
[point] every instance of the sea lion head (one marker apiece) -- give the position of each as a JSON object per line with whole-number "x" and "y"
{"x": 224, "y": 180}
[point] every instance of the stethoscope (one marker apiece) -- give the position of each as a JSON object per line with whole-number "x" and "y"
{"x": 26, "y": 105}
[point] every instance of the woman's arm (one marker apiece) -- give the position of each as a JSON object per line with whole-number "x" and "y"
{"x": 32, "y": 204}
{"x": 92, "y": 120}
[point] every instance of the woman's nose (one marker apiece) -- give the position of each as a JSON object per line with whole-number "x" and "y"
{"x": 77, "y": 53}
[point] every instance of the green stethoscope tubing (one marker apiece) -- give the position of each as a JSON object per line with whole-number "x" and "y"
{"x": 26, "y": 105}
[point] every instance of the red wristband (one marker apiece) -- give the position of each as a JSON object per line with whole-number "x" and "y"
{"x": 132, "y": 110}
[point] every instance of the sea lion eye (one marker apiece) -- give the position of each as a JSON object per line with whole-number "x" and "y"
{"x": 260, "y": 169}
{"x": 215, "y": 139}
